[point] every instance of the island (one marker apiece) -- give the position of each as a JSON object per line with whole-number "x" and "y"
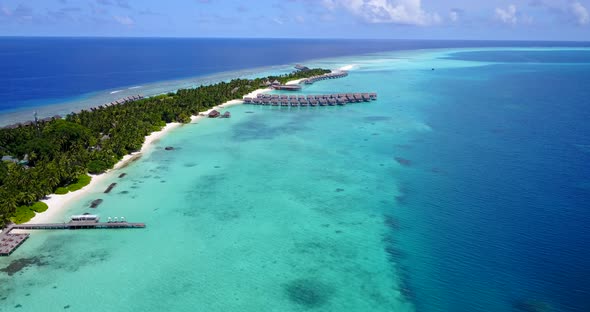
{"x": 55, "y": 155}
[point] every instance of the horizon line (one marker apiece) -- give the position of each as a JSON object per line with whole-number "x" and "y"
{"x": 287, "y": 38}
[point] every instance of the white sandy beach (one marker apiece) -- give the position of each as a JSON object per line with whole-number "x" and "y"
{"x": 57, "y": 203}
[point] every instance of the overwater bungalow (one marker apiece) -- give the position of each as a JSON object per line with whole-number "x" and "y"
{"x": 225, "y": 115}
{"x": 247, "y": 100}
{"x": 213, "y": 114}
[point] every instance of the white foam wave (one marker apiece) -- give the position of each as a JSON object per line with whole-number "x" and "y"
{"x": 116, "y": 91}
{"x": 136, "y": 87}
{"x": 348, "y": 67}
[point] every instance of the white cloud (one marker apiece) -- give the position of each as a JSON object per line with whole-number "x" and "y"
{"x": 454, "y": 16}
{"x": 510, "y": 15}
{"x": 329, "y": 4}
{"x": 278, "y": 21}
{"x": 124, "y": 20}
{"x": 407, "y": 12}
{"x": 580, "y": 12}
{"x": 507, "y": 15}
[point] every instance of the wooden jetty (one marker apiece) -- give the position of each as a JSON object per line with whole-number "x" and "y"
{"x": 339, "y": 99}
{"x": 331, "y": 75}
{"x": 9, "y": 242}
{"x": 291, "y": 87}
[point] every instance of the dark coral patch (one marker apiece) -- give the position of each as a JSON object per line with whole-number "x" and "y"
{"x": 308, "y": 292}
{"x": 19, "y": 264}
{"x": 438, "y": 171}
{"x": 403, "y": 161}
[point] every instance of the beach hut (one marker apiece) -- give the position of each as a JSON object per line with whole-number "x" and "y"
{"x": 213, "y": 114}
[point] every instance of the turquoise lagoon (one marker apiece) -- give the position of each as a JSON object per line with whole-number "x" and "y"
{"x": 323, "y": 209}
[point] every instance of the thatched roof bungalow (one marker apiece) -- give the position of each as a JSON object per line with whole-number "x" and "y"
{"x": 213, "y": 114}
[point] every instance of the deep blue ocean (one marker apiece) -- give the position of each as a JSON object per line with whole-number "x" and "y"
{"x": 495, "y": 204}
{"x": 502, "y": 188}
{"x": 34, "y": 71}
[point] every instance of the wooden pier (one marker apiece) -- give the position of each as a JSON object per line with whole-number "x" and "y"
{"x": 9, "y": 242}
{"x": 339, "y": 99}
{"x": 290, "y": 87}
{"x": 332, "y": 75}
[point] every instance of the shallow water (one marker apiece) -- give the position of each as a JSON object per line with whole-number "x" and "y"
{"x": 422, "y": 200}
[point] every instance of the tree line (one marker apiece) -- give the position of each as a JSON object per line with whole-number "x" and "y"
{"x": 92, "y": 141}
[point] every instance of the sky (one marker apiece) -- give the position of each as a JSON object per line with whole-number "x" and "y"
{"x": 388, "y": 19}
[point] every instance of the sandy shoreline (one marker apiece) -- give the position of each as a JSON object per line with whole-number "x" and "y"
{"x": 57, "y": 203}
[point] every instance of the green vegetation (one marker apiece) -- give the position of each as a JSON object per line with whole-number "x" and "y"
{"x": 80, "y": 182}
{"x": 39, "y": 207}
{"x": 61, "y": 151}
{"x": 25, "y": 213}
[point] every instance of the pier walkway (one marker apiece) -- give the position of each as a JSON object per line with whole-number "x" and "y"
{"x": 310, "y": 100}
{"x": 332, "y": 75}
{"x": 9, "y": 242}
